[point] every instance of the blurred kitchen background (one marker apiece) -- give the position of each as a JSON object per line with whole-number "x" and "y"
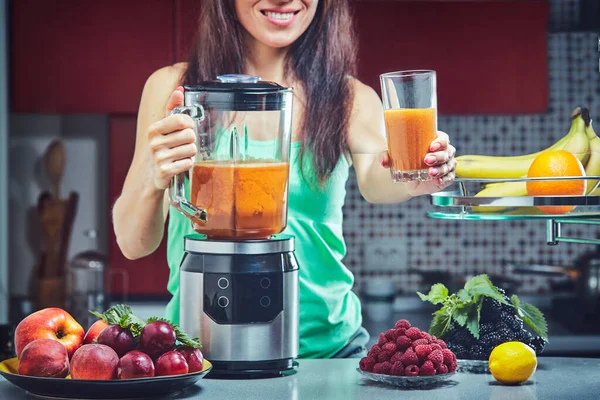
{"x": 509, "y": 75}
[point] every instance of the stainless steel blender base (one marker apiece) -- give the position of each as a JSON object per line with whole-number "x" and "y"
{"x": 252, "y": 369}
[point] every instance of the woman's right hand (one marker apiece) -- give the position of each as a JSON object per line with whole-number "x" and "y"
{"x": 171, "y": 143}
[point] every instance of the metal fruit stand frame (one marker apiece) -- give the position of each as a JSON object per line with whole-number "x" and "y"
{"x": 463, "y": 204}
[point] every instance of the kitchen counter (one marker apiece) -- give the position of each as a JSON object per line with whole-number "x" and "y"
{"x": 556, "y": 378}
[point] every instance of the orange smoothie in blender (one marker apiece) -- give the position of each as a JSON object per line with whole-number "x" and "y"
{"x": 410, "y": 131}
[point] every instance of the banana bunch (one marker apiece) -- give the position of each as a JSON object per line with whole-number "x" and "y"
{"x": 581, "y": 140}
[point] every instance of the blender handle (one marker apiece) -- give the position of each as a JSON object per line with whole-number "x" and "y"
{"x": 177, "y": 185}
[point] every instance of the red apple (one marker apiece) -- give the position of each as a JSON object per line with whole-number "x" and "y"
{"x": 193, "y": 356}
{"x": 135, "y": 364}
{"x": 94, "y": 361}
{"x": 171, "y": 363}
{"x": 94, "y": 331}
{"x": 46, "y": 358}
{"x": 49, "y": 323}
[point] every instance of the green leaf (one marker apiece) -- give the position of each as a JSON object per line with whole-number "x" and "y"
{"x": 180, "y": 334}
{"x": 532, "y": 316}
{"x": 463, "y": 295}
{"x": 440, "y": 322}
{"x": 473, "y": 315}
{"x": 437, "y": 294}
{"x": 460, "y": 315}
{"x": 481, "y": 285}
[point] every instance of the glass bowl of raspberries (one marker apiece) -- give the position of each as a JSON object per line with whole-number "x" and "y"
{"x": 407, "y": 356}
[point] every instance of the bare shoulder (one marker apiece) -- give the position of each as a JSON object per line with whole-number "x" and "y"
{"x": 158, "y": 87}
{"x": 366, "y": 101}
{"x": 367, "y": 126}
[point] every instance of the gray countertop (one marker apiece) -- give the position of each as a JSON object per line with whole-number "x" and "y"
{"x": 556, "y": 378}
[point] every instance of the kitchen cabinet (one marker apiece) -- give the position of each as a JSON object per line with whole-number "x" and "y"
{"x": 143, "y": 277}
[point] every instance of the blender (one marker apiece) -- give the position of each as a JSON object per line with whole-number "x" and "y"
{"x": 239, "y": 275}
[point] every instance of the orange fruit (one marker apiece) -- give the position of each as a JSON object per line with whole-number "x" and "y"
{"x": 556, "y": 163}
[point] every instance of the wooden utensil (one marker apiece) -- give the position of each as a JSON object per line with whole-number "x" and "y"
{"x": 54, "y": 161}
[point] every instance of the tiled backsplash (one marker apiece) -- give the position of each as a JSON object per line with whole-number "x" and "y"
{"x": 466, "y": 247}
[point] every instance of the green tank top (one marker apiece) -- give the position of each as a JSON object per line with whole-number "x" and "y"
{"x": 330, "y": 312}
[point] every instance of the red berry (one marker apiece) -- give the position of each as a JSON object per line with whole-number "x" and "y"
{"x": 436, "y": 357}
{"x": 383, "y": 356}
{"x": 396, "y": 357}
{"x": 401, "y": 331}
{"x": 425, "y": 335}
{"x": 390, "y": 347}
{"x": 403, "y": 342}
{"x": 377, "y": 368}
{"x": 374, "y": 351}
{"x": 411, "y": 370}
{"x": 442, "y": 369}
{"x": 402, "y": 323}
{"x": 419, "y": 342}
{"x": 367, "y": 363}
{"x": 441, "y": 343}
{"x": 409, "y": 358}
{"x": 433, "y": 338}
{"x": 397, "y": 369}
{"x": 413, "y": 333}
{"x": 452, "y": 366}
{"x": 448, "y": 356}
{"x": 391, "y": 335}
{"x": 435, "y": 346}
{"x": 386, "y": 367}
{"x": 427, "y": 369}
{"x": 382, "y": 339}
{"x": 423, "y": 351}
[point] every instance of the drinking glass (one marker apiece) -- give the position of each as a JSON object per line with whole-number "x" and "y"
{"x": 410, "y": 111}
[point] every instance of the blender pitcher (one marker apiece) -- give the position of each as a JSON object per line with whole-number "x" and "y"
{"x": 238, "y": 186}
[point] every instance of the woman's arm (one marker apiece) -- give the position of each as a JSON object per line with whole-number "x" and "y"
{"x": 368, "y": 148}
{"x": 140, "y": 211}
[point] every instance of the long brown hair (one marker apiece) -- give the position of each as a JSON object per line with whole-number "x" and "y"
{"x": 320, "y": 60}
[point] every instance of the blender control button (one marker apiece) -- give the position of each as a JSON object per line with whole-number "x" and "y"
{"x": 223, "y": 283}
{"x": 265, "y": 301}
{"x": 265, "y": 283}
{"x": 223, "y": 301}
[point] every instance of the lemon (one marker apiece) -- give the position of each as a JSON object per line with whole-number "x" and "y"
{"x": 512, "y": 362}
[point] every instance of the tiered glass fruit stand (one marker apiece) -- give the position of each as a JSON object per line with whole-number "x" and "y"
{"x": 459, "y": 202}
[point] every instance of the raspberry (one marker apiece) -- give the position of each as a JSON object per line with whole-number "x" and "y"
{"x": 374, "y": 351}
{"x": 425, "y": 335}
{"x": 427, "y": 369}
{"x": 413, "y": 333}
{"x": 377, "y": 368}
{"x": 423, "y": 350}
{"x": 442, "y": 369}
{"x": 390, "y": 347}
{"x": 402, "y": 323}
{"x": 441, "y": 343}
{"x": 383, "y": 356}
{"x": 386, "y": 367}
{"x": 391, "y": 335}
{"x": 403, "y": 342}
{"x": 382, "y": 339}
{"x": 448, "y": 356}
{"x": 396, "y": 357}
{"x": 435, "y": 346}
{"x": 367, "y": 363}
{"x": 397, "y": 369}
{"x": 433, "y": 338}
{"x": 401, "y": 331}
{"x": 419, "y": 342}
{"x": 452, "y": 366}
{"x": 409, "y": 358}
{"x": 436, "y": 357}
{"x": 411, "y": 370}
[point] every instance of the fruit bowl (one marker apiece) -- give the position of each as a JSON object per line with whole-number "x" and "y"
{"x": 418, "y": 381}
{"x": 142, "y": 388}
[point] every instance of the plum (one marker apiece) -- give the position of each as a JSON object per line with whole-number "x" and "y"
{"x": 157, "y": 338}
{"x": 171, "y": 363}
{"x": 135, "y": 364}
{"x": 117, "y": 338}
{"x": 193, "y": 357}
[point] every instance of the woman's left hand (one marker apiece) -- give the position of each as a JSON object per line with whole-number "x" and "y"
{"x": 441, "y": 162}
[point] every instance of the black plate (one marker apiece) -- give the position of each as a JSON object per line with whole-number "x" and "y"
{"x": 89, "y": 389}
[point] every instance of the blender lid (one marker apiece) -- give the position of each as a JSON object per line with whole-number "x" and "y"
{"x": 276, "y": 244}
{"x": 237, "y": 83}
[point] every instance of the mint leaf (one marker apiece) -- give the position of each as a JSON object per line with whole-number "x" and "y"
{"x": 481, "y": 285}
{"x": 473, "y": 319}
{"x": 440, "y": 322}
{"x": 460, "y": 315}
{"x": 437, "y": 294}
{"x": 180, "y": 334}
{"x": 532, "y": 316}
{"x": 463, "y": 295}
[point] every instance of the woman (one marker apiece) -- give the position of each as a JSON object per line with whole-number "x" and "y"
{"x": 307, "y": 45}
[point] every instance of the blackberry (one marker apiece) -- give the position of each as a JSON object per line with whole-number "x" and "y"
{"x": 490, "y": 310}
{"x": 515, "y": 323}
{"x": 485, "y": 328}
{"x": 459, "y": 351}
{"x": 462, "y": 336}
{"x": 538, "y": 343}
{"x": 477, "y": 352}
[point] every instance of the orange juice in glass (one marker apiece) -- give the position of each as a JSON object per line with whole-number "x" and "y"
{"x": 410, "y": 111}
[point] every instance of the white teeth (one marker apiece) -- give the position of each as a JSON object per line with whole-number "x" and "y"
{"x": 279, "y": 16}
